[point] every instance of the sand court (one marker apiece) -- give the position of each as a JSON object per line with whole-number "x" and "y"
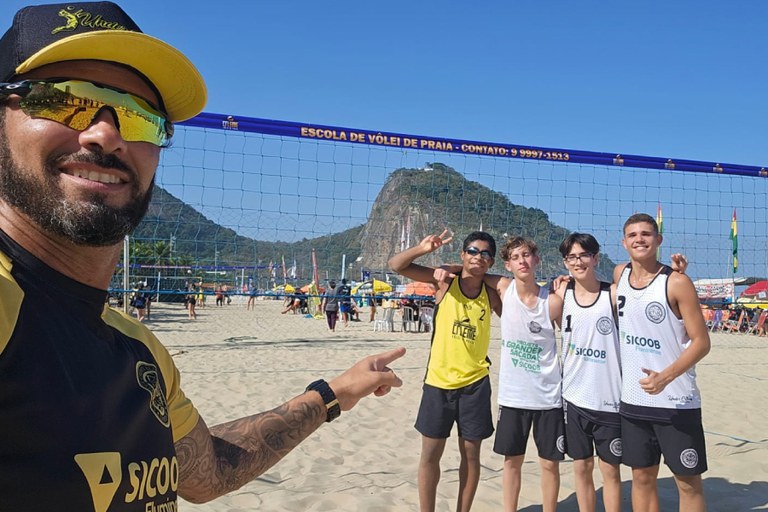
{"x": 236, "y": 362}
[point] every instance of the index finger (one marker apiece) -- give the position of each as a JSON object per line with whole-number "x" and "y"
{"x": 380, "y": 361}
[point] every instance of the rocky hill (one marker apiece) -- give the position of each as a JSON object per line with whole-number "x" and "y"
{"x": 412, "y": 204}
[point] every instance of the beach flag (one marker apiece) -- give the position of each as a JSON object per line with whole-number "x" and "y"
{"x": 660, "y": 223}
{"x": 293, "y": 269}
{"x": 734, "y": 236}
{"x": 285, "y": 272}
{"x": 272, "y": 269}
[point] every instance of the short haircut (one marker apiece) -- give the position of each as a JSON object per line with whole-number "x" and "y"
{"x": 641, "y": 217}
{"x": 513, "y": 242}
{"x": 585, "y": 240}
{"x": 482, "y": 236}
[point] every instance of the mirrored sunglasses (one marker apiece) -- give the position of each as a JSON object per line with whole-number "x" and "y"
{"x": 75, "y": 104}
{"x": 474, "y": 251}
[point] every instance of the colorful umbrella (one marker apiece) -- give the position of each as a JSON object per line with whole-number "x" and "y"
{"x": 374, "y": 285}
{"x": 419, "y": 288}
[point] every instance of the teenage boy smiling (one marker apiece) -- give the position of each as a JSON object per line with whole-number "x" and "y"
{"x": 457, "y": 386}
{"x": 662, "y": 335}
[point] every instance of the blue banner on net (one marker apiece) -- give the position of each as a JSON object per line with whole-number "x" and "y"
{"x": 459, "y": 146}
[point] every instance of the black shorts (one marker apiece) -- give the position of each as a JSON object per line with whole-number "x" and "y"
{"x": 514, "y": 425}
{"x": 469, "y": 407}
{"x": 682, "y": 445}
{"x": 582, "y": 436}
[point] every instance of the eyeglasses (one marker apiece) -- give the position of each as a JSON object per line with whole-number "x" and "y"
{"x": 583, "y": 257}
{"x": 474, "y": 251}
{"x": 75, "y": 104}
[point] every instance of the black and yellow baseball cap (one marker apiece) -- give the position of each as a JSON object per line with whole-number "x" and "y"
{"x": 44, "y": 34}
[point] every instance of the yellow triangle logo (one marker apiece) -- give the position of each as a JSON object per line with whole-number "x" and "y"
{"x": 103, "y": 473}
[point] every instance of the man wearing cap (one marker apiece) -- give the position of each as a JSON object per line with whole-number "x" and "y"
{"x": 92, "y": 415}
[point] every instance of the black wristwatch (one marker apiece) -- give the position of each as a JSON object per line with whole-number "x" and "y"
{"x": 329, "y": 397}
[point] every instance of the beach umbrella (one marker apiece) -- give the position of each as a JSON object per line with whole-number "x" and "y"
{"x": 374, "y": 286}
{"x": 419, "y": 288}
{"x": 760, "y": 287}
{"x": 286, "y": 288}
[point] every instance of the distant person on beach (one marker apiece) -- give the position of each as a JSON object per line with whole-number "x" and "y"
{"x": 345, "y": 301}
{"x": 252, "y": 293}
{"x": 139, "y": 302}
{"x": 92, "y": 413}
{"x": 372, "y": 306}
{"x": 457, "y": 387}
{"x": 330, "y": 306}
{"x": 191, "y": 301}
{"x": 663, "y": 336}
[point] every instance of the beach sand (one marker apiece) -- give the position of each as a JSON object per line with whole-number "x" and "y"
{"x": 236, "y": 362}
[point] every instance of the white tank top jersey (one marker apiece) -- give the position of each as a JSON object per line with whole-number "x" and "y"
{"x": 591, "y": 364}
{"x": 651, "y": 336}
{"x": 529, "y": 373}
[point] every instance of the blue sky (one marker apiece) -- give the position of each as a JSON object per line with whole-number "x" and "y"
{"x": 681, "y": 79}
{"x": 685, "y": 78}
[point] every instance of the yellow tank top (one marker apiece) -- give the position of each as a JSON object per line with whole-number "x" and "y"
{"x": 462, "y": 332}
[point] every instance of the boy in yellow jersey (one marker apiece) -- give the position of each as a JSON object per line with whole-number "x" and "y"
{"x": 457, "y": 385}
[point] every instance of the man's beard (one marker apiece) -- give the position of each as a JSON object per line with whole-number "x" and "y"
{"x": 86, "y": 221}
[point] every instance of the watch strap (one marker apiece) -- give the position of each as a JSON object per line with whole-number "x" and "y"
{"x": 329, "y": 398}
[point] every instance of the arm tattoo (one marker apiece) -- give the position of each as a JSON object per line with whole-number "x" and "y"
{"x": 226, "y": 457}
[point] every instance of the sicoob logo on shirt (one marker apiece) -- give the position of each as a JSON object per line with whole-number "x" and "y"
{"x": 147, "y": 376}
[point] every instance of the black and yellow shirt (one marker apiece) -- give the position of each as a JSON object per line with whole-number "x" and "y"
{"x": 90, "y": 403}
{"x": 460, "y": 338}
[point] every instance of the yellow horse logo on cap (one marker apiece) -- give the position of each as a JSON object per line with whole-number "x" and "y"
{"x": 71, "y": 21}
{"x": 85, "y": 19}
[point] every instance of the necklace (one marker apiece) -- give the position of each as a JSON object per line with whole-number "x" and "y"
{"x": 647, "y": 281}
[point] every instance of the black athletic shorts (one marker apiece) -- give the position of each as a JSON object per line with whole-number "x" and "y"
{"x": 583, "y": 435}
{"x": 682, "y": 445}
{"x": 469, "y": 407}
{"x": 514, "y": 425}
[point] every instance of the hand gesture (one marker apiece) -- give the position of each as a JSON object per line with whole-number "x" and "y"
{"x": 679, "y": 262}
{"x": 654, "y": 383}
{"x": 442, "y": 275}
{"x": 559, "y": 281}
{"x": 433, "y": 242}
{"x": 369, "y": 375}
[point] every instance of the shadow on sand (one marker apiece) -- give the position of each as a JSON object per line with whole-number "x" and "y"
{"x": 722, "y": 496}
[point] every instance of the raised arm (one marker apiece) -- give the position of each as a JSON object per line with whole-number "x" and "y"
{"x": 403, "y": 264}
{"x": 217, "y": 460}
{"x": 683, "y": 299}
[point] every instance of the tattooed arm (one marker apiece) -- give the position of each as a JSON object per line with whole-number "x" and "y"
{"x": 215, "y": 461}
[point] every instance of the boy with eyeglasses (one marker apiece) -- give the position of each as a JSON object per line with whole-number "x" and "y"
{"x": 92, "y": 412}
{"x": 457, "y": 386}
{"x": 591, "y": 374}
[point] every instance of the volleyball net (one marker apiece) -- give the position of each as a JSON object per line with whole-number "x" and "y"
{"x": 257, "y": 205}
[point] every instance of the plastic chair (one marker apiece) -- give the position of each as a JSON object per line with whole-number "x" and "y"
{"x": 386, "y": 322}
{"x": 426, "y": 318}
{"x": 759, "y": 326}
{"x": 410, "y": 323}
{"x": 717, "y": 320}
{"x": 735, "y": 326}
